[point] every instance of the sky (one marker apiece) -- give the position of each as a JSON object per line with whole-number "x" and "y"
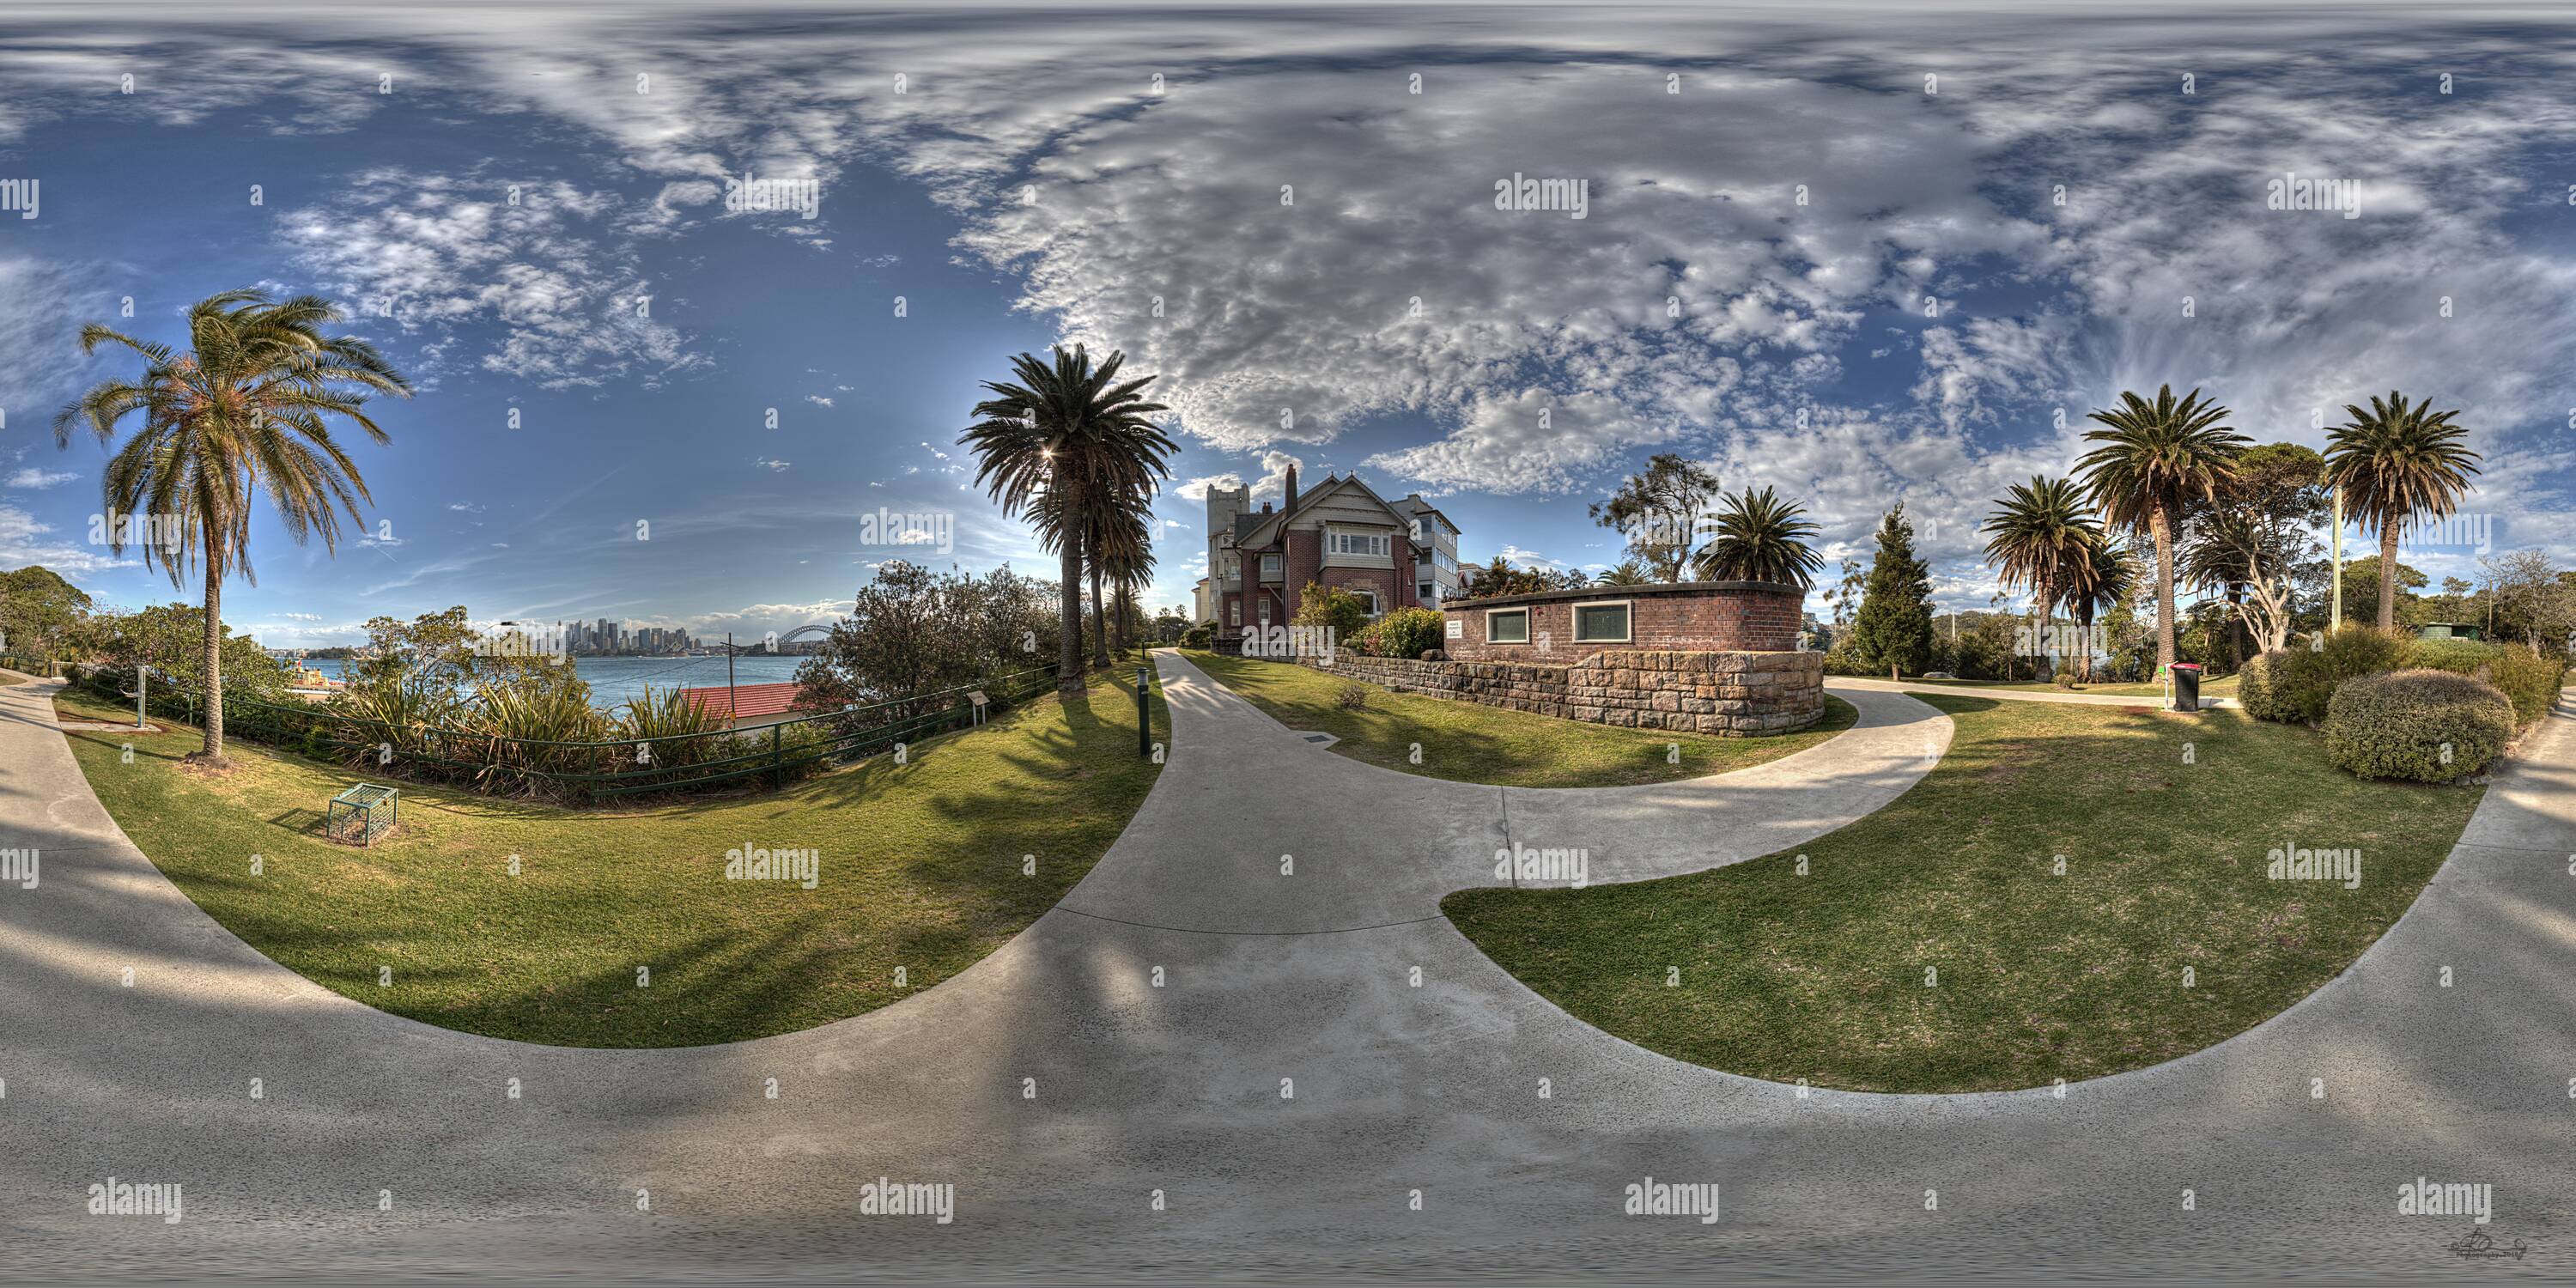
{"x": 1862, "y": 254}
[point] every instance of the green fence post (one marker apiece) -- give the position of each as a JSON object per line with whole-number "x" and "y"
{"x": 777, "y": 771}
{"x": 1144, "y": 722}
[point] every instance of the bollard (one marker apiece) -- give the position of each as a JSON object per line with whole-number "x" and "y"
{"x": 1144, "y": 723}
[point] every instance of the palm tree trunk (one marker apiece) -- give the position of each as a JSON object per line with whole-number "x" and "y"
{"x": 2388, "y": 576}
{"x": 2084, "y": 635}
{"x": 2163, "y": 533}
{"x": 1099, "y": 619}
{"x": 214, "y": 752}
{"x": 1068, "y": 657}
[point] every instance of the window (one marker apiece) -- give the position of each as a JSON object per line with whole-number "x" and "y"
{"x": 1426, "y": 592}
{"x": 1270, "y": 567}
{"x": 1234, "y": 614}
{"x": 1359, "y": 543}
{"x": 1507, "y": 626}
{"x": 1233, "y": 567}
{"x": 1444, "y": 560}
{"x": 1368, "y": 597}
{"x": 1265, "y": 610}
{"x": 1601, "y": 623}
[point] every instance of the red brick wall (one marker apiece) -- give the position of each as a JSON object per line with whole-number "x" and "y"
{"x": 1378, "y": 579}
{"x": 1711, "y": 617}
{"x": 1304, "y": 562}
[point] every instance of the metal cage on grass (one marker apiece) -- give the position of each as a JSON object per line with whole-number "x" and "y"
{"x": 361, "y": 814}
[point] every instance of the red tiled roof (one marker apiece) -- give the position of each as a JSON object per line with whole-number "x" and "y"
{"x": 748, "y": 700}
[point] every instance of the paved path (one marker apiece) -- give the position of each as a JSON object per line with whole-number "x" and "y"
{"x": 1062, "y": 1091}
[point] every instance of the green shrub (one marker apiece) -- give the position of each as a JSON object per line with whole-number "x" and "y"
{"x": 1334, "y": 608}
{"x": 2302, "y": 681}
{"x": 1407, "y": 632}
{"x": 1199, "y": 636}
{"x": 1352, "y": 697}
{"x": 2424, "y": 725}
{"x": 2457, "y": 656}
{"x": 2529, "y": 679}
{"x": 2258, "y": 687}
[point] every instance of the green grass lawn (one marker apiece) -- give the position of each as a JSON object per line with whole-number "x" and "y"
{"x": 1471, "y": 743}
{"x": 920, "y": 869}
{"x": 2222, "y": 687}
{"x": 1822, "y": 976}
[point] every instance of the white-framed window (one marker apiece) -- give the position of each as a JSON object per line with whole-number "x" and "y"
{"x": 1360, "y": 543}
{"x": 1366, "y": 596}
{"x": 1507, "y": 626}
{"x": 1265, "y": 610}
{"x": 1234, "y": 614}
{"x": 1270, "y": 567}
{"x": 1427, "y": 592}
{"x": 1233, "y": 566}
{"x": 1601, "y": 622}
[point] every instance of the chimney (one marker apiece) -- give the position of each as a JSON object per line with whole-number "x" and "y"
{"x": 1291, "y": 502}
{"x": 1265, "y": 507}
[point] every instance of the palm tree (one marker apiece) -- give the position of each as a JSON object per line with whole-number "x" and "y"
{"x": 2038, "y": 536}
{"x": 2154, "y": 459}
{"x": 1628, "y": 572}
{"x": 2220, "y": 556}
{"x": 1759, "y": 538}
{"x": 2393, "y": 463}
{"x": 2097, "y": 583}
{"x": 239, "y": 412}
{"x": 1059, "y": 439}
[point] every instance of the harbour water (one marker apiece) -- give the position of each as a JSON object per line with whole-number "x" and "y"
{"x": 614, "y": 680}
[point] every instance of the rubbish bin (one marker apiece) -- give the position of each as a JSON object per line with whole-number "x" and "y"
{"x": 2186, "y": 686}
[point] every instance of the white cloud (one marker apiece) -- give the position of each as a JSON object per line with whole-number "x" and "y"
{"x": 31, "y": 477}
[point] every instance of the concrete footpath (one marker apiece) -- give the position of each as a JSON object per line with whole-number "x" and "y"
{"x": 1197, "y": 1068}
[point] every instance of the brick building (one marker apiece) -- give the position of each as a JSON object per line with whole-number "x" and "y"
{"x": 1340, "y": 534}
{"x": 1565, "y": 626}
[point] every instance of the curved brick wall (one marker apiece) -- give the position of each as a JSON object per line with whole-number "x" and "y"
{"x": 1690, "y": 616}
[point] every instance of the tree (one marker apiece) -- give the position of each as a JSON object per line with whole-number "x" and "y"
{"x": 38, "y": 609}
{"x": 1628, "y": 573}
{"x": 169, "y": 639}
{"x": 2155, "y": 459}
{"x": 2100, "y": 582}
{"x": 1334, "y": 609}
{"x": 2041, "y": 538}
{"x": 1894, "y": 626}
{"x": 2392, "y": 464}
{"x": 1501, "y": 578}
{"x": 913, "y": 631}
{"x": 2253, "y": 539}
{"x": 1658, "y": 512}
{"x": 1072, "y": 432}
{"x": 239, "y": 412}
{"x": 2362, "y": 580}
{"x": 1759, "y": 538}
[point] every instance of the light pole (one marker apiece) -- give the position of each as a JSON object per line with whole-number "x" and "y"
{"x": 2336, "y": 620}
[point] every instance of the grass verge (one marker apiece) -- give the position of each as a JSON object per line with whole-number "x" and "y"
{"x": 1470, "y": 743}
{"x": 919, "y": 869}
{"x": 2222, "y": 687}
{"x": 2165, "y": 822}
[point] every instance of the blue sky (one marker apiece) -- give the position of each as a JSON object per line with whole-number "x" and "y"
{"x": 1859, "y": 255}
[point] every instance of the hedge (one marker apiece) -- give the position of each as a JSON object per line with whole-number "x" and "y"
{"x": 2426, "y": 725}
{"x": 2294, "y": 685}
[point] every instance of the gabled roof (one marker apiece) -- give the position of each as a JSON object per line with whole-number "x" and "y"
{"x": 746, "y": 701}
{"x": 1263, "y": 533}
